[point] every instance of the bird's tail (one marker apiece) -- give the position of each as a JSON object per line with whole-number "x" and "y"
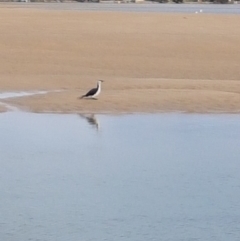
{"x": 81, "y": 97}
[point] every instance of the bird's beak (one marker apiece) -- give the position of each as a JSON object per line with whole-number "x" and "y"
{"x": 101, "y": 80}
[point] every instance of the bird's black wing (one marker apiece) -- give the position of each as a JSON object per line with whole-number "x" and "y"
{"x": 91, "y": 92}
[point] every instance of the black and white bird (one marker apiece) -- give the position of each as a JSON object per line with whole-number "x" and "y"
{"x": 93, "y": 92}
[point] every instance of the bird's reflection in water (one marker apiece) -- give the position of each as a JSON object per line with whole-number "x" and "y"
{"x": 91, "y": 119}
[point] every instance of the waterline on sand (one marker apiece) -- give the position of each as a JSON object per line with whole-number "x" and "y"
{"x": 10, "y": 95}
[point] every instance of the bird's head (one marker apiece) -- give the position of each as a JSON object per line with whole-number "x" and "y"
{"x": 99, "y": 82}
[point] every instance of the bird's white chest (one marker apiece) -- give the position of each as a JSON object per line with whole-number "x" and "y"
{"x": 98, "y": 91}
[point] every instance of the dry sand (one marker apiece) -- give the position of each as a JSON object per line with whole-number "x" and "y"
{"x": 150, "y": 62}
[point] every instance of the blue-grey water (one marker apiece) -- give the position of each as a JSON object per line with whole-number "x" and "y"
{"x": 129, "y": 177}
{"x": 137, "y": 8}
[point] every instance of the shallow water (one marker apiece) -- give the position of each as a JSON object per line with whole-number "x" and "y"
{"x": 133, "y": 177}
{"x": 9, "y": 95}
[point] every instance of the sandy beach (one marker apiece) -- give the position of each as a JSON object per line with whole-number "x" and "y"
{"x": 149, "y": 62}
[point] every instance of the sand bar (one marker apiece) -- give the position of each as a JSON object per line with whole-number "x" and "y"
{"x": 2, "y": 108}
{"x": 150, "y": 62}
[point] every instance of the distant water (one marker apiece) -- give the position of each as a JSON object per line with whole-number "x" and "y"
{"x": 136, "y": 8}
{"x": 133, "y": 177}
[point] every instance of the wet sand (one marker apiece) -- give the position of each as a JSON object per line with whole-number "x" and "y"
{"x": 2, "y": 108}
{"x": 150, "y": 62}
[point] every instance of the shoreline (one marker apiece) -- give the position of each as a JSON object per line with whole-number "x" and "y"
{"x": 135, "y": 96}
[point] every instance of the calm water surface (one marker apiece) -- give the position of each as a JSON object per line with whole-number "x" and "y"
{"x": 133, "y": 177}
{"x": 132, "y": 7}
